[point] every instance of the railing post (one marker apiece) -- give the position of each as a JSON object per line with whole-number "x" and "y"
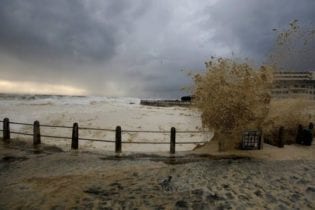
{"x": 311, "y": 126}
{"x": 75, "y": 136}
{"x": 36, "y": 133}
{"x": 299, "y": 134}
{"x": 261, "y": 140}
{"x": 6, "y": 129}
{"x": 118, "y": 140}
{"x": 173, "y": 140}
{"x": 280, "y": 137}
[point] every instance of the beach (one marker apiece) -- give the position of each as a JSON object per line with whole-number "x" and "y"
{"x": 157, "y": 105}
{"x": 49, "y": 178}
{"x": 52, "y": 176}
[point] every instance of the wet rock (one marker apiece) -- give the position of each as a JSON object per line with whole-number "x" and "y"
{"x": 295, "y": 197}
{"x": 302, "y": 181}
{"x": 258, "y": 193}
{"x": 200, "y": 206}
{"x": 224, "y": 206}
{"x": 242, "y": 207}
{"x": 243, "y": 197}
{"x": 282, "y": 207}
{"x": 166, "y": 184}
{"x": 13, "y": 158}
{"x": 213, "y": 197}
{"x": 181, "y": 204}
{"x": 310, "y": 189}
{"x": 104, "y": 205}
{"x": 270, "y": 198}
{"x": 229, "y": 196}
{"x": 159, "y": 208}
{"x": 88, "y": 205}
{"x": 97, "y": 191}
{"x": 117, "y": 185}
{"x": 198, "y": 192}
{"x": 105, "y": 208}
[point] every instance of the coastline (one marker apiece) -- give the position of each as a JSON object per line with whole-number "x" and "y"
{"x": 49, "y": 178}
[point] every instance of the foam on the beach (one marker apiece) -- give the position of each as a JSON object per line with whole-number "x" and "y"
{"x": 102, "y": 112}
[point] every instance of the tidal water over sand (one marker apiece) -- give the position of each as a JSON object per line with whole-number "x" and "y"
{"x": 51, "y": 179}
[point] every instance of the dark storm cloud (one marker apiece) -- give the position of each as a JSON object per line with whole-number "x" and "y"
{"x": 55, "y": 30}
{"x": 138, "y": 48}
{"x": 247, "y": 25}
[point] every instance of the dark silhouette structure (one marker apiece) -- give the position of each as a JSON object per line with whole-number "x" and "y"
{"x": 305, "y": 136}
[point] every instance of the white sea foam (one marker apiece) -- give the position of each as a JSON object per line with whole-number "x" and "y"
{"x": 102, "y": 112}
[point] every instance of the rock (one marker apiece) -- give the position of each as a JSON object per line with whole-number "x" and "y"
{"x": 166, "y": 184}
{"x": 295, "y": 197}
{"x": 213, "y": 197}
{"x": 159, "y": 208}
{"x": 243, "y": 197}
{"x": 270, "y": 198}
{"x": 198, "y": 192}
{"x": 224, "y": 206}
{"x": 200, "y": 206}
{"x": 302, "y": 181}
{"x": 96, "y": 191}
{"x": 282, "y": 207}
{"x": 13, "y": 158}
{"x": 181, "y": 204}
{"x": 229, "y": 196}
{"x": 116, "y": 184}
{"x": 310, "y": 189}
{"x": 258, "y": 193}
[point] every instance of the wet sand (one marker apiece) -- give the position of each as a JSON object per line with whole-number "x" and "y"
{"x": 51, "y": 179}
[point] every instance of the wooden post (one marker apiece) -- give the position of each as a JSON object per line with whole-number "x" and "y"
{"x": 173, "y": 140}
{"x": 118, "y": 140}
{"x": 280, "y": 137}
{"x": 299, "y": 134}
{"x": 261, "y": 140}
{"x": 311, "y": 126}
{"x": 6, "y": 129}
{"x": 75, "y": 136}
{"x": 36, "y": 133}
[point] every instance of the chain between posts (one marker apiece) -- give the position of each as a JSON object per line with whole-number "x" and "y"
{"x": 75, "y": 138}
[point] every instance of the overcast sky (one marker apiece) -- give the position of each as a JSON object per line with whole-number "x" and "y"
{"x": 132, "y": 47}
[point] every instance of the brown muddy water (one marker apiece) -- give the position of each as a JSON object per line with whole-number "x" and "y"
{"x": 49, "y": 178}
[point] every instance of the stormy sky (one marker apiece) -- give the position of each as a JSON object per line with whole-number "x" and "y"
{"x": 134, "y": 47}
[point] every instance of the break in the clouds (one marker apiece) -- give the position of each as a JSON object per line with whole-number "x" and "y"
{"x": 135, "y": 48}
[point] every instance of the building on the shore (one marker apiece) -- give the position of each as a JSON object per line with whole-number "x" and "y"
{"x": 294, "y": 85}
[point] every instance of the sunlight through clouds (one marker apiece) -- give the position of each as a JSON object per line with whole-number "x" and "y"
{"x": 39, "y": 88}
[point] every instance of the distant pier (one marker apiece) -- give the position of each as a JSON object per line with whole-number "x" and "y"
{"x": 165, "y": 103}
{"x": 184, "y": 102}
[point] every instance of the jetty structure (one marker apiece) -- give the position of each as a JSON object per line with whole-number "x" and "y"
{"x": 293, "y": 84}
{"x": 185, "y": 101}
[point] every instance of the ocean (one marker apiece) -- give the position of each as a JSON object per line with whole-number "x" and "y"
{"x": 105, "y": 113}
